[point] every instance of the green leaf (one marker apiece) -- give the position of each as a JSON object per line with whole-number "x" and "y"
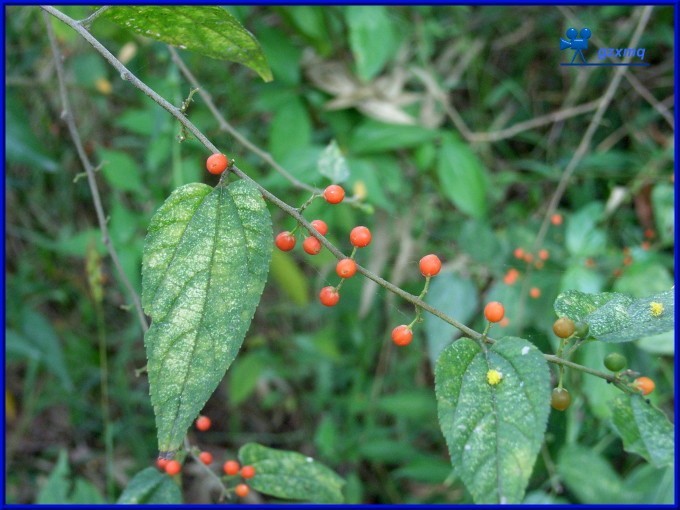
{"x": 455, "y": 296}
{"x": 151, "y": 486}
{"x": 663, "y": 204}
{"x": 58, "y": 489}
{"x": 290, "y": 475}
{"x": 644, "y": 429}
{"x": 493, "y": 432}
{"x": 205, "y": 263}
{"x": 208, "y": 30}
{"x": 372, "y": 136}
{"x": 614, "y": 317}
{"x": 590, "y": 477}
{"x": 332, "y": 164}
{"x": 417, "y": 405}
{"x": 462, "y": 177}
{"x": 291, "y": 130}
{"x": 244, "y": 376}
{"x": 290, "y": 279}
{"x": 654, "y": 486}
{"x": 371, "y": 37}
{"x": 120, "y": 170}
{"x": 583, "y": 238}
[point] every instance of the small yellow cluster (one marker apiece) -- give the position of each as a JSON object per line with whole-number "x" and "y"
{"x": 493, "y": 377}
{"x": 655, "y": 308}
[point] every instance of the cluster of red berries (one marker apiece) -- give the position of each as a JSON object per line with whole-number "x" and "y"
{"x": 231, "y": 467}
{"x": 429, "y": 265}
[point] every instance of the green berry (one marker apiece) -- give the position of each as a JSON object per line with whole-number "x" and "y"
{"x": 560, "y": 399}
{"x": 615, "y": 361}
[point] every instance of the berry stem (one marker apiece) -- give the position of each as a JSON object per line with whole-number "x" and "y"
{"x": 309, "y": 201}
{"x": 194, "y": 451}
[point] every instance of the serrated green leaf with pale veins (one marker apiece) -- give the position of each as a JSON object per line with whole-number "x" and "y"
{"x": 208, "y": 30}
{"x": 291, "y": 475}
{"x": 205, "y": 264}
{"x": 644, "y": 429}
{"x": 494, "y": 432}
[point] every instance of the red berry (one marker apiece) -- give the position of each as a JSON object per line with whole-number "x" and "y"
{"x": 203, "y": 423}
{"x": 511, "y": 276}
{"x": 206, "y": 458}
{"x": 334, "y": 194}
{"x": 518, "y": 253}
{"x": 556, "y": 219}
{"x": 285, "y": 241}
{"x": 543, "y": 254}
{"x": 360, "y": 237}
{"x": 535, "y": 292}
{"x": 494, "y": 311}
{"x": 329, "y": 296}
{"x": 242, "y": 490}
{"x": 320, "y": 226}
{"x": 173, "y": 467}
{"x": 247, "y": 472}
{"x": 311, "y": 245}
{"x": 231, "y": 467}
{"x": 217, "y": 163}
{"x": 644, "y": 384}
{"x": 430, "y": 265}
{"x": 161, "y": 463}
{"x": 402, "y": 335}
{"x": 346, "y": 268}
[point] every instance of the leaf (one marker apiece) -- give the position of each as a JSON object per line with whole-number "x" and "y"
{"x": 663, "y": 204}
{"x": 332, "y": 164}
{"x": 493, "y": 432}
{"x": 590, "y": 477}
{"x": 417, "y": 405}
{"x": 455, "y": 296}
{"x": 244, "y": 376}
{"x": 371, "y": 38}
{"x": 208, "y": 30}
{"x": 290, "y": 279}
{"x": 644, "y": 429}
{"x": 205, "y": 263}
{"x": 150, "y": 486}
{"x": 291, "y": 475}
{"x": 120, "y": 170}
{"x": 60, "y": 490}
{"x": 614, "y": 317}
{"x": 371, "y": 137}
{"x": 582, "y": 237}
{"x": 462, "y": 177}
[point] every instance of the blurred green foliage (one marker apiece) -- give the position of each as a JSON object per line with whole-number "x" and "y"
{"x": 329, "y": 383}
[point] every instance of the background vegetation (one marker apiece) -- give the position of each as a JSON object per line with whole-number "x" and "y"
{"x": 418, "y": 99}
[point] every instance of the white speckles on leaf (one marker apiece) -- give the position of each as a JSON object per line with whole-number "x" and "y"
{"x": 206, "y": 260}
{"x": 493, "y": 431}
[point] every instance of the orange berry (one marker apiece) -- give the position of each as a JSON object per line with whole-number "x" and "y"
{"x": 206, "y": 458}
{"x": 543, "y": 254}
{"x": 311, "y": 245}
{"x": 644, "y": 384}
{"x": 504, "y": 323}
{"x": 589, "y": 262}
{"x": 161, "y": 463}
{"x": 242, "y": 490}
{"x": 528, "y": 258}
{"x": 430, "y": 265}
{"x": 518, "y": 253}
{"x": 231, "y": 467}
{"x": 334, "y": 194}
{"x": 535, "y": 292}
{"x": 320, "y": 226}
{"x": 556, "y": 219}
{"x": 173, "y": 467}
{"x": 539, "y": 264}
{"x": 511, "y": 276}
{"x": 402, "y": 335}
{"x": 494, "y": 311}
{"x": 346, "y": 268}
{"x": 203, "y": 423}
{"x": 616, "y": 272}
{"x": 645, "y": 245}
{"x": 247, "y": 472}
{"x": 627, "y": 260}
{"x": 650, "y": 234}
{"x": 329, "y": 296}
{"x": 285, "y": 241}
{"x": 360, "y": 237}
{"x": 217, "y": 163}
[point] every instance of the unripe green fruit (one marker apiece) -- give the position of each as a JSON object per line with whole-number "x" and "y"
{"x": 615, "y": 361}
{"x": 582, "y": 329}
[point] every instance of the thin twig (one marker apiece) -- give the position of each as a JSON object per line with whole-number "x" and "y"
{"x": 88, "y": 21}
{"x": 291, "y": 211}
{"x": 225, "y": 126}
{"x": 584, "y": 145}
{"x": 67, "y": 116}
